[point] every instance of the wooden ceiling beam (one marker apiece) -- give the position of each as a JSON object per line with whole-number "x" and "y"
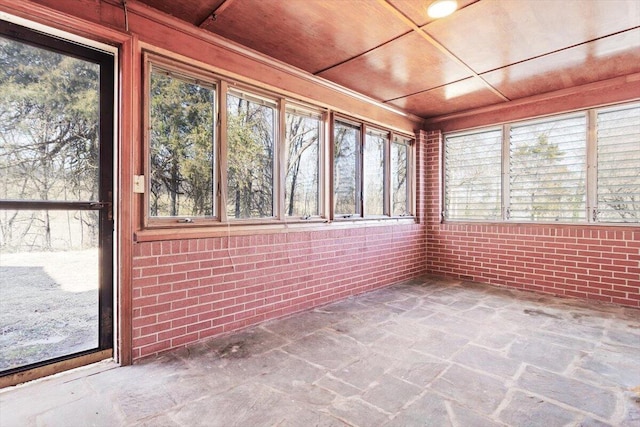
{"x": 402, "y": 17}
{"x": 214, "y": 14}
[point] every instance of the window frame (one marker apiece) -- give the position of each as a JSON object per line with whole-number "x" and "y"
{"x": 257, "y": 96}
{"x": 590, "y": 167}
{"x": 283, "y": 105}
{"x": 364, "y": 128}
{"x": 186, "y": 73}
{"x": 293, "y": 107}
{"x": 504, "y": 181}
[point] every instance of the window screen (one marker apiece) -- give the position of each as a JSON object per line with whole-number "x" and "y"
{"x": 547, "y": 170}
{"x": 618, "y": 136}
{"x": 473, "y": 175}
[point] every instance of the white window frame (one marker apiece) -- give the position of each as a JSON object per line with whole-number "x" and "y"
{"x": 591, "y": 166}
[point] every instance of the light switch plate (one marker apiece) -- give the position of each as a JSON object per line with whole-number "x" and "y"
{"x": 138, "y": 184}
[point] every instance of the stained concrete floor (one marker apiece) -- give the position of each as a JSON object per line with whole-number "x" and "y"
{"x": 429, "y": 352}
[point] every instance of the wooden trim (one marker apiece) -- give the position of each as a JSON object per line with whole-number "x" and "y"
{"x": 279, "y": 190}
{"x": 129, "y": 164}
{"x": 316, "y": 224}
{"x": 54, "y": 368}
{"x": 222, "y": 149}
{"x": 143, "y": 11}
{"x": 324, "y": 174}
{"x": 146, "y": 125}
{"x": 126, "y": 82}
{"x": 214, "y": 14}
{"x": 177, "y": 61}
{"x": 605, "y": 92}
{"x": 61, "y": 21}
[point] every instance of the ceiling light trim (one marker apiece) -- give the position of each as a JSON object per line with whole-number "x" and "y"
{"x": 442, "y": 8}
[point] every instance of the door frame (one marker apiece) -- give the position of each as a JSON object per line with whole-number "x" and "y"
{"x": 119, "y": 339}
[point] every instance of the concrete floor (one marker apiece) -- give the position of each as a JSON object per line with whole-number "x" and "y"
{"x": 430, "y": 352}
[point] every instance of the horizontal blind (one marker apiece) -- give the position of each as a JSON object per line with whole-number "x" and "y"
{"x": 547, "y": 170}
{"x": 473, "y": 175}
{"x": 618, "y": 140}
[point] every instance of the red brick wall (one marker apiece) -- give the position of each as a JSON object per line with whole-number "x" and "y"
{"x": 590, "y": 262}
{"x": 186, "y": 290}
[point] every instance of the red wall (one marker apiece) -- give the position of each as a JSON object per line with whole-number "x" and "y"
{"x": 591, "y": 262}
{"x": 186, "y": 290}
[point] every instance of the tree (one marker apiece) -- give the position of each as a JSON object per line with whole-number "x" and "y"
{"x": 250, "y": 136}
{"x": 344, "y": 171}
{"x": 542, "y": 184}
{"x": 48, "y": 137}
{"x": 181, "y": 156}
{"x": 301, "y": 174}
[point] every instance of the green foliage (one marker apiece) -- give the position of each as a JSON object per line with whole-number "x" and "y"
{"x": 181, "y": 135}
{"x": 249, "y": 158}
{"x": 49, "y": 147}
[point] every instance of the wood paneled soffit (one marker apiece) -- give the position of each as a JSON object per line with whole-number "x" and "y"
{"x": 601, "y": 93}
{"x": 173, "y": 35}
{"x": 389, "y": 51}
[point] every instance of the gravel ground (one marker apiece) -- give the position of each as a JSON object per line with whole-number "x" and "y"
{"x": 48, "y": 305}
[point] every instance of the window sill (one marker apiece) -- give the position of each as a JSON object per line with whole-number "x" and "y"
{"x": 538, "y": 223}
{"x": 243, "y": 228}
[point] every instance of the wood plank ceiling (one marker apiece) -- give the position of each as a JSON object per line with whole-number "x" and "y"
{"x": 487, "y": 52}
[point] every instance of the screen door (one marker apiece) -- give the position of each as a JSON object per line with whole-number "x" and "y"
{"x": 56, "y": 190}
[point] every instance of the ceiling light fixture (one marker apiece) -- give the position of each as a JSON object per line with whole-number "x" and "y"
{"x": 442, "y": 8}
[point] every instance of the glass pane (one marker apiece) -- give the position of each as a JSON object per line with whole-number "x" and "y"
{"x": 548, "y": 170}
{"x": 346, "y": 140}
{"x": 49, "y": 111}
{"x": 373, "y": 172}
{"x": 49, "y": 285}
{"x": 473, "y": 167}
{"x": 302, "y": 148}
{"x": 619, "y": 165}
{"x": 399, "y": 173}
{"x": 250, "y": 134}
{"x": 181, "y": 147}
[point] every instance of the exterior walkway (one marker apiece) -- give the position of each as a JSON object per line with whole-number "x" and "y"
{"x": 430, "y": 352}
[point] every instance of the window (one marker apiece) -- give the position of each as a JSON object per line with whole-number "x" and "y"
{"x": 250, "y": 155}
{"x": 551, "y": 169}
{"x": 345, "y": 163}
{"x": 220, "y": 152}
{"x": 618, "y": 178}
{"x": 371, "y": 175}
{"x": 181, "y": 145}
{"x": 473, "y": 175}
{"x": 400, "y": 173}
{"x": 547, "y": 170}
{"x": 373, "y": 165}
{"x": 302, "y": 173}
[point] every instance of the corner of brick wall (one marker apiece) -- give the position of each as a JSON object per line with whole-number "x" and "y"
{"x": 597, "y": 263}
{"x": 188, "y": 290}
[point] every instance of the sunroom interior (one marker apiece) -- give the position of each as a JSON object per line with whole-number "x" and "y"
{"x": 320, "y": 212}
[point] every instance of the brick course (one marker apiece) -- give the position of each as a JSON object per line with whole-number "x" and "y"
{"x": 190, "y": 289}
{"x": 186, "y": 290}
{"x": 592, "y": 262}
